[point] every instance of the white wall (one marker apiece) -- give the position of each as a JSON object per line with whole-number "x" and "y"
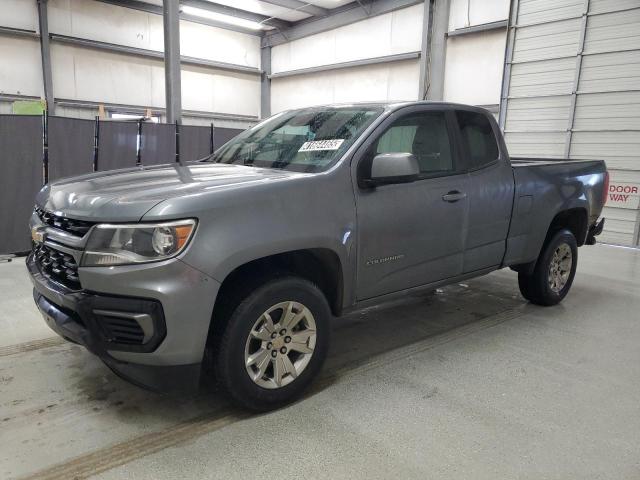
{"x": 392, "y": 33}
{"x": 20, "y": 66}
{"x": 475, "y": 61}
{"x": 473, "y": 68}
{"x": 124, "y": 26}
{"x": 384, "y": 82}
{"x": 92, "y": 75}
{"x": 467, "y": 13}
{"x": 19, "y": 14}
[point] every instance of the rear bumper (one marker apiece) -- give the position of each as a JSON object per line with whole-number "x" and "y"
{"x": 171, "y": 306}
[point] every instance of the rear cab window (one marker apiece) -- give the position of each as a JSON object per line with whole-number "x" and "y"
{"x": 478, "y": 139}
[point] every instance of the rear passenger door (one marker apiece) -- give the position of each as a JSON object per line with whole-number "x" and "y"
{"x": 490, "y": 190}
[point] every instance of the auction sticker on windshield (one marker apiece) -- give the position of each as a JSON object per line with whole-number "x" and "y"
{"x": 318, "y": 145}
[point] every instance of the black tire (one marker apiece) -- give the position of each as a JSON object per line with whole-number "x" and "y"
{"x": 230, "y": 369}
{"x": 536, "y": 287}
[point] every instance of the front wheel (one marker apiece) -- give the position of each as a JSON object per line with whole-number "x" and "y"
{"x": 274, "y": 344}
{"x": 553, "y": 274}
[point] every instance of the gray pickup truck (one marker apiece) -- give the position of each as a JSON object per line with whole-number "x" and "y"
{"x": 233, "y": 266}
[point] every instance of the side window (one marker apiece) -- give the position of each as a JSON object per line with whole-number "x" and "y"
{"x": 478, "y": 139}
{"x": 425, "y": 135}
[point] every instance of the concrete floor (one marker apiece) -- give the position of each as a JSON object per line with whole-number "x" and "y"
{"x": 470, "y": 382}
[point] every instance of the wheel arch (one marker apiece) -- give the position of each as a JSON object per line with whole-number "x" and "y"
{"x": 574, "y": 219}
{"x": 321, "y": 266}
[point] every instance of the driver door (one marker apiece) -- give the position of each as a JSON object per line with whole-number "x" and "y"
{"x": 411, "y": 234}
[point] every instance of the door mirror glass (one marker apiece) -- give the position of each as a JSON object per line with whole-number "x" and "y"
{"x": 388, "y": 168}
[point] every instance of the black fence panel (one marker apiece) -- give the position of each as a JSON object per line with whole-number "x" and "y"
{"x": 70, "y": 147}
{"x": 157, "y": 143}
{"x": 20, "y": 178}
{"x": 195, "y": 142}
{"x": 117, "y": 145}
{"x": 223, "y": 135}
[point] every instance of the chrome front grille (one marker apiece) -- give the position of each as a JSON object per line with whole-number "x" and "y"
{"x": 59, "y": 266}
{"x": 77, "y": 228}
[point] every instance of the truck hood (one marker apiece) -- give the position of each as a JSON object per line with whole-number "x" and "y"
{"x": 126, "y": 195}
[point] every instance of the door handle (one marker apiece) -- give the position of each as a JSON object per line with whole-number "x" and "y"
{"x": 453, "y": 196}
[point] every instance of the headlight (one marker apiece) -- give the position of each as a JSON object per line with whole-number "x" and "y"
{"x": 136, "y": 243}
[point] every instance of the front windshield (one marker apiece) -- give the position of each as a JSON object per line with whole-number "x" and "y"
{"x": 309, "y": 140}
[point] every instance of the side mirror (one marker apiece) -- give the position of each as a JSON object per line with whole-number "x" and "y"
{"x": 388, "y": 168}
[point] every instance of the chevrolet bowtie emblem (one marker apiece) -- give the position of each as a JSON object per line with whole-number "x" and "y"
{"x": 37, "y": 235}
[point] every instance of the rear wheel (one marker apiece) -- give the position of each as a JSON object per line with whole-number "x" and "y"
{"x": 553, "y": 274}
{"x": 274, "y": 344}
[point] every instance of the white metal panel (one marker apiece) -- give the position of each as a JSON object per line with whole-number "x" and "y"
{"x": 600, "y": 102}
{"x": 392, "y": 33}
{"x": 98, "y": 76}
{"x": 384, "y": 82}
{"x": 547, "y": 145}
{"x": 478, "y": 56}
{"x": 615, "y": 110}
{"x": 600, "y": 6}
{"x": 99, "y": 21}
{"x": 468, "y": 13}
{"x": 125, "y": 26}
{"x": 83, "y": 74}
{"x": 302, "y": 91}
{"x": 619, "y": 226}
{"x": 545, "y": 41}
{"x": 233, "y": 93}
{"x": 545, "y": 77}
{"x": 539, "y": 11}
{"x": 610, "y": 72}
{"x": 19, "y": 14}
{"x": 20, "y": 66}
{"x": 537, "y": 114}
{"x": 203, "y": 41}
{"x": 611, "y": 32}
{"x": 600, "y": 144}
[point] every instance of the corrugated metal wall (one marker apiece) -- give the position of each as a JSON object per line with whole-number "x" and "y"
{"x": 572, "y": 88}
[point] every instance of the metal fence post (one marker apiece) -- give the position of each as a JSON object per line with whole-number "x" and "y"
{"x": 139, "y": 144}
{"x": 96, "y": 142}
{"x": 45, "y": 146}
{"x": 177, "y": 125}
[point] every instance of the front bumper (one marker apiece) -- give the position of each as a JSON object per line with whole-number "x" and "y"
{"x": 171, "y": 300}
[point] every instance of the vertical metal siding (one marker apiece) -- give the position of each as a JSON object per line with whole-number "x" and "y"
{"x": 574, "y": 85}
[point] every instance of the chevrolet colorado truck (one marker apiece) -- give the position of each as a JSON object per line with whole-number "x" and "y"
{"x": 233, "y": 266}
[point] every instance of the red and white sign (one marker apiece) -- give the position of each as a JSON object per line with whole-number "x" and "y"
{"x": 623, "y": 195}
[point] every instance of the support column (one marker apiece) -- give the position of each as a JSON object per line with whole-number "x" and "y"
{"x": 172, "y": 84}
{"x": 424, "y": 50}
{"x": 438, "y": 53}
{"x": 576, "y": 79}
{"x": 508, "y": 60}
{"x": 45, "y": 53}
{"x": 265, "y": 82}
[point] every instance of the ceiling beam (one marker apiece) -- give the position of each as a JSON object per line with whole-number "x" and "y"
{"x": 305, "y": 7}
{"x": 237, "y": 12}
{"x": 338, "y": 17}
{"x": 212, "y": 7}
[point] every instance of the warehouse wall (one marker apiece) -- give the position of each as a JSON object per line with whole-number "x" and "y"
{"x": 574, "y": 89}
{"x": 90, "y": 75}
{"x": 475, "y": 61}
{"x": 395, "y": 33}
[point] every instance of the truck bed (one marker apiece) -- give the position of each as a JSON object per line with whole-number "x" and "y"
{"x": 536, "y": 162}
